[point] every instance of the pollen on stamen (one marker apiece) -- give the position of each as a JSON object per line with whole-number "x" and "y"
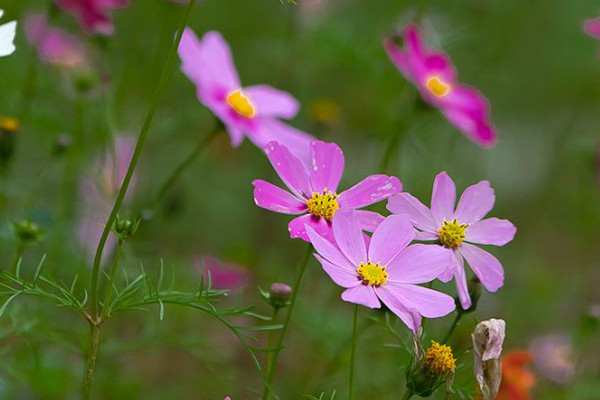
{"x": 241, "y": 104}
{"x": 372, "y": 274}
{"x": 452, "y": 233}
{"x": 323, "y": 204}
{"x": 437, "y": 86}
{"x": 439, "y": 359}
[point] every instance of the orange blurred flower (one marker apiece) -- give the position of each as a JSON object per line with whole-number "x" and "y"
{"x": 517, "y": 379}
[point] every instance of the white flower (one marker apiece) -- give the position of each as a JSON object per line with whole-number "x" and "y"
{"x": 7, "y": 36}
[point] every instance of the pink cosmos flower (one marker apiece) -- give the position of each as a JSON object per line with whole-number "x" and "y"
{"x": 386, "y": 270}
{"x": 223, "y": 276}
{"x": 458, "y": 228}
{"x": 592, "y": 27}
{"x": 53, "y": 45}
{"x": 99, "y": 189}
{"x": 252, "y": 111}
{"x": 435, "y": 77}
{"x": 314, "y": 192}
{"x": 93, "y": 15}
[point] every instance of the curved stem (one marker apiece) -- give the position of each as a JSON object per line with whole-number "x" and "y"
{"x": 353, "y": 353}
{"x": 181, "y": 168}
{"x": 288, "y": 316}
{"x": 108, "y": 292}
{"x": 160, "y": 88}
{"x": 457, "y": 318}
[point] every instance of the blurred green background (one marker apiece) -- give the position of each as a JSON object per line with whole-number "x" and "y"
{"x": 529, "y": 57}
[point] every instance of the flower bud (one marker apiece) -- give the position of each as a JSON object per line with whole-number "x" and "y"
{"x": 279, "y": 295}
{"x": 488, "y": 338}
{"x": 125, "y": 228}
{"x": 26, "y": 232}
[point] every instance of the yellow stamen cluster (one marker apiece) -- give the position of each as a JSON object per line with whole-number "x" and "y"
{"x": 241, "y": 104}
{"x": 323, "y": 204}
{"x": 437, "y": 86}
{"x": 9, "y": 124}
{"x": 439, "y": 359}
{"x": 452, "y": 233}
{"x": 372, "y": 274}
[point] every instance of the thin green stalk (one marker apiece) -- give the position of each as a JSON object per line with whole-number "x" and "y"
{"x": 18, "y": 255}
{"x": 91, "y": 361}
{"x": 407, "y": 395}
{"x": 270, "y": 343}
{"x": 162, "y": 83}
{"x": 108, "y": 291}
{"x": 288, "y": 316}
{"x": 185, "y": 164}
{"x": 457, "y": 318}
{"x": 353, "y": 353}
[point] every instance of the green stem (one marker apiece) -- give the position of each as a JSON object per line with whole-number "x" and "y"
{"x": 288, "y": 316}
{"x": 457, "y": 318}
{"x": 18, "y": 255}
{"x": 353, "y": 353}
{"x": 160, "y": 88}
{"x": 108, "y": 291}
{"x": 91, "y": 361}
{"x": 181, "y": 168}
{"x": 407, "y": 395}
{"x": 270, "y": 343}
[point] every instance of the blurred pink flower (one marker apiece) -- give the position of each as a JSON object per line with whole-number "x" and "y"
{"x": 435, "y": 77}
{"x": 54, "y": 45}
{"x": 222, "y": 275}
{"x": 553, "y": 357}
{"x": 314, "y": 192}
{"x": 93, "y": 15}
{"x": 387, "y": 270}
{"x": 458, "y": 228}
{"x": 252, "y": 111}
{"x": 592, "y": 27}
{"x": 98, "y": 189}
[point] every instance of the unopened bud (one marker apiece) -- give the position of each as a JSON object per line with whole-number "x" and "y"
{"x": 125, "y": 228}
{"x": 62, "y": 144}
{"x": 26, "y": 232}
{"x": 85, "y": 81}
{"x": 431, "y": 369}
{"x": 279, "y": 295}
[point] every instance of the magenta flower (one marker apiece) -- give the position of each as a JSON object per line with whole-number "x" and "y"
{"x": 93, "y": 15}
{"x": 252, "y": 111}
{"x": 222, "y": 275}
{"x": 592, "y": 27}
{"x": 457, "y": 229}
{"x": 434, "y": 75}
{"x": 388, "y": 270}
{"x": 53, "y": 45}
{"x": 314, "y": 193}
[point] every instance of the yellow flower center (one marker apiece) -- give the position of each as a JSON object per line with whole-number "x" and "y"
{"x": 323, "y": 204}
{"x": 452, "y": 233}
{"x": 437, "y": 86}
{"x": 372, "y": 274}
{"x": 9, "y": 124}
{"x": 241, "y": 104}
{"x": 439, "y": 359}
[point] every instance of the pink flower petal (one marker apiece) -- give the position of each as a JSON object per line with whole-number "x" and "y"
{"x": 491, "y": 231}
{"x": 217, "y": 61}
{"x": 390, "y": 238}
{"x": 267, "y": 130}
{"x": 411, "y": 318}
{"x": 427, "y": 302}
{"x": 419, "y": 263}
{"x": 370, "y": 190}
{"x": 487, "y": 267}
{"x": 349, "y": 236}
{"x": 297, "y": 229}
{"x": 341, "y": 276}
{"x": 460, "y": 276}
{"x": 425, "y": 236}
{"x": 443, "y": 198}
{"x": 475, "y": 202}
{"x": 271, "y": 197}
{"x": 328, "y": 250}
{"x": 289, "y": 168}
{"x": 235, "y": 133}
{"x": 420, "y": 216}
{"x": 363, "y": 295}
{"x": 369, "y": 220}
{"x": 399, "y": 58}
{"x": 592, "y": 27}
{"x": 271, "y": 102}
{"x": 327, "y": 165}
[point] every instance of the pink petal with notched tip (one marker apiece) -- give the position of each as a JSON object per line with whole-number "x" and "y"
{"x": 363, "y": 295}
{"x": 427, "y": 302}
{"x": 271, "y": 197}
{"x": 349, "y": 236}
{"x": 419, "y": 214}
{"x": 475, "y": 202}
{"x": 443, "y": 198}
{"x": 344, "y": 277}
{"x": 370, "y": 190}
{"x": 485, "y": 266}
{"x": 289, "y": 168}
{"x": 460, "y": 277}
{"x": 369, "y": 220}
{"x": 326, "y": 166}
{"x": 411, "y": 318}
{"x": 271, "y": 102}
{"x": 266, "y": 130}
{"x": 419, "y": 263}
{"x": 399, "y": 58}
{"x": 497, "y": 232}
{"x": 390, "y": 238}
